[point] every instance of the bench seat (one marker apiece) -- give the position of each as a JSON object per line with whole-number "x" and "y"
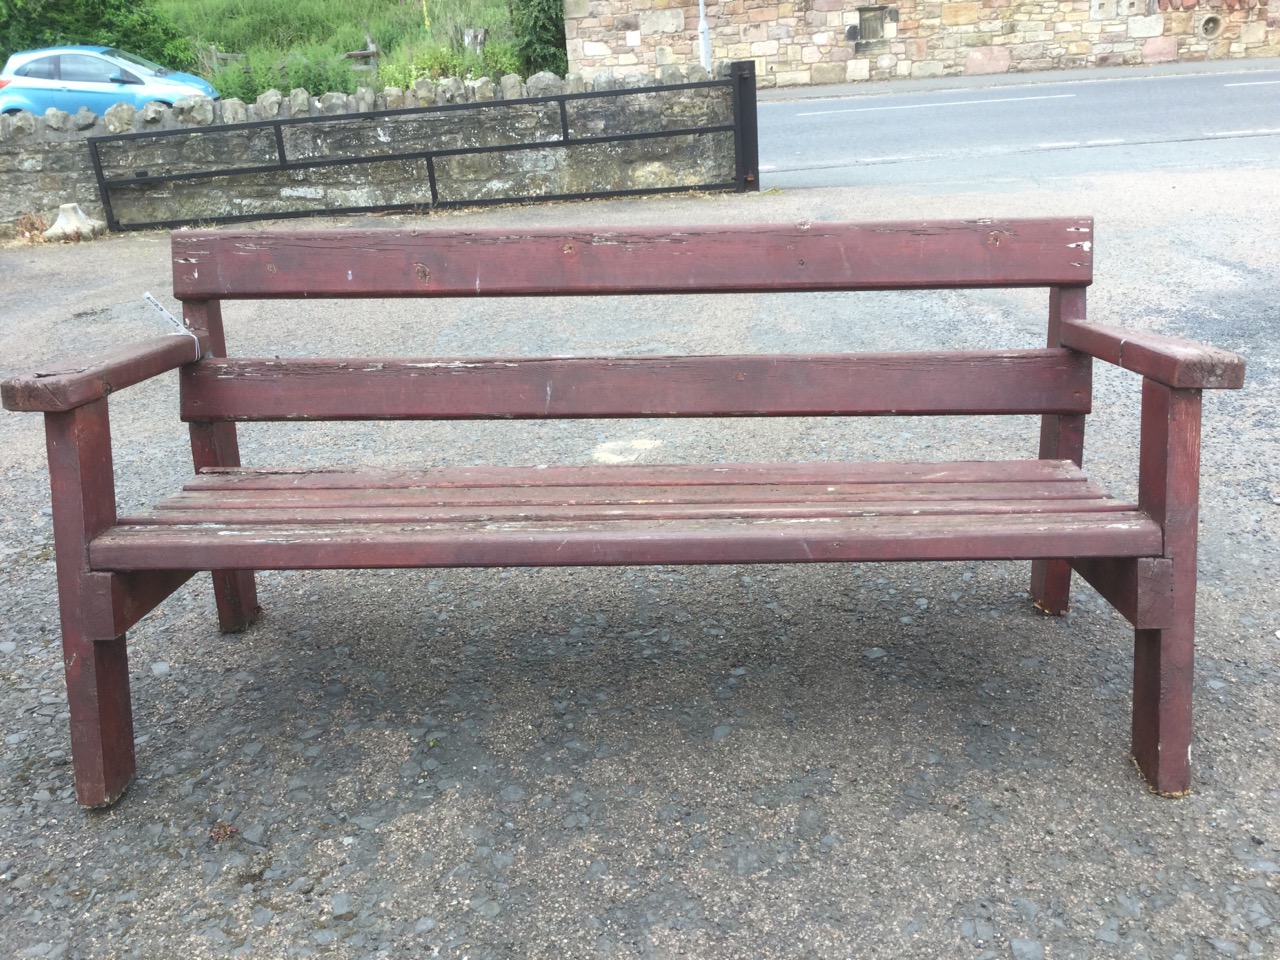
{"x": 564, "y": 516}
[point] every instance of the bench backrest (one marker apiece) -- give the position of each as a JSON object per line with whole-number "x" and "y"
{"x": 215, "y": 266}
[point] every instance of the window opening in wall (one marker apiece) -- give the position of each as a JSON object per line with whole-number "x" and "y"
{"x": 871, "y": 23}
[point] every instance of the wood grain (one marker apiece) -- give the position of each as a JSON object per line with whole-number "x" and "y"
{"x": 566, "y": 261}
{"x": 987, "y": 382}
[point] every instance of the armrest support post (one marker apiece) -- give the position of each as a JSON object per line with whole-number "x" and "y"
{"x": 82, "y": 484}
{"x": 1168, "y": 490}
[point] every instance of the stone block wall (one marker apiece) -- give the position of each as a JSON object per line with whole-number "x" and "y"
{"x": 45, "y": 161}
{"x": 797, "y": 42}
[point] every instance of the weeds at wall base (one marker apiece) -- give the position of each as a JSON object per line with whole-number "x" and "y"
{"x": 30, "y": 228}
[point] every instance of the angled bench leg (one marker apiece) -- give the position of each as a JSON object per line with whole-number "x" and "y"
{"x": 97, "y": 671}
{"x": 1061, "y": 438}
{"x": 216, "y": 445}
{"x": 1168, "y": 489}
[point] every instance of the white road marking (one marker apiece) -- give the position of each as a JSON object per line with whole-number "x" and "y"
{"x": 1057, "y": 145}
{"x": 1254, "y": 83}
{"x": 948, "y": 103}
{"x": 1242, "y": 133}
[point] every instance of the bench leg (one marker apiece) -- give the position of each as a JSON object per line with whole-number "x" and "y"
{"x": 1162, "y": 672}
{"x": 82, "y": 486}
{"x": 1168, "y": 490}
{"x": 236, "y": 595}
{"x": 234, "y": 591}
{"x": 216, "y": 445}
{"x": 1051, "y": 586}
{"x": 101, "y": 716}
{"x": 1061, "y": 438}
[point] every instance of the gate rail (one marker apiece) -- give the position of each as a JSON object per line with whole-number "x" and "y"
{"x": 138, "y": 182}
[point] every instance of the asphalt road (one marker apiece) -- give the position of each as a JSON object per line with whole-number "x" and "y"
{"x": 1028, "y": 129}
{"x": 888, "y": 762}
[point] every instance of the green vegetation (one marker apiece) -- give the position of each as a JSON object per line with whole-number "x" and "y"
{"x": 135, "y": 25}
{"x": 539, "y": 30}
{"x": 302, "y": 43}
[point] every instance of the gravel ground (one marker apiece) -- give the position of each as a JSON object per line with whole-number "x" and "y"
{"x": 729, "y": 762}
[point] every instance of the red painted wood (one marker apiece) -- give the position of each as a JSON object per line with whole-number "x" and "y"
{"x": 385, "y": 478}
{"x": 234, "y": 520}
{"x": 261, "y": 516}
{"x": 82, "y": 488}
{"x": 1061, "y": 438}
{"x": 566, "y": 261}
{"x": 216, "y": 445}
{"x": 114, "y": 602}
{"x": 326, "y": 546}
{"x": 1169, "y": 492}
{"x": 1169, "y": 360}
{"x": 72, "y": 384}
{"x": 1021, "y": 382}
{"x": 437, "y": 495}
{"x": 527, "y": 494}
{"x": 1141, "y": 590}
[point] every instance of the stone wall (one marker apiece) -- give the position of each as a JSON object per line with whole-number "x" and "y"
{"x": 45, "y": 161}
{"x": 834, "y": 41}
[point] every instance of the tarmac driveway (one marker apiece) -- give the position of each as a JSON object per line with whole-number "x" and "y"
{"x": 766, "y": 762}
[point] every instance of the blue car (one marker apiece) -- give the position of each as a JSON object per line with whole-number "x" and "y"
{"x": 95, "y": 77}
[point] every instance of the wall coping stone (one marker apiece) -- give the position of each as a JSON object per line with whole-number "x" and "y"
{"x": 56, "y": 125}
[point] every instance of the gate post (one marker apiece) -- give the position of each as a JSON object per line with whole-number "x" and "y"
{"x": 746, "y": 146}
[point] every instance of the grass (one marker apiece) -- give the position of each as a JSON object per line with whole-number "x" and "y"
{"x": 301, "y": 43}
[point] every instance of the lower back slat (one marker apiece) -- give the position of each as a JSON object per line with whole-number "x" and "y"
{"x": 977, "y": 382}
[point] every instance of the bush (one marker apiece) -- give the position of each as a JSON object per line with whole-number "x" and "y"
{"x": 134, "y": 25}
{"x": 436, "y": 62}
{"x": 539, "y": 30}
{"x": 314, "y": 67}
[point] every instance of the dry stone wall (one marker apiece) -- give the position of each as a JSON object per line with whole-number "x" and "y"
{"x": 797, "y": 42}
{"x": 45, "y": 161}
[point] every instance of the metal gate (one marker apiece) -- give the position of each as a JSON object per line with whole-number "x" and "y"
{"x": 627, "y": 142}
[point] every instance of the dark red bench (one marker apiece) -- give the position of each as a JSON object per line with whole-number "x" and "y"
{"x": 233, "y": 520}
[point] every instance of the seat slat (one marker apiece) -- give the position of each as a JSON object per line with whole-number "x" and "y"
{"x": 427, "y": 497}
{"x": 323, "y": 546}
{"x": 637, "y": 475}
{"x": 432, "y": 513}
{"x": 427, "y": 518}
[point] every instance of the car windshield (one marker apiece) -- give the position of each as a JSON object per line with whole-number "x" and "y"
{"x": 137, "y": 61}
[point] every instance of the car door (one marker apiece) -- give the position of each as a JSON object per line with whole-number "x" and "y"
{"x": 39, "y": 83}
{"x": 89, "y": 81}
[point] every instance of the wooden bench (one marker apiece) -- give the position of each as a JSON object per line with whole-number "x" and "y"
{"x": 234, "y": 520}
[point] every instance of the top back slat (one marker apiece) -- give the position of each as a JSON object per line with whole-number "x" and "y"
{"x": 578, "y": 260}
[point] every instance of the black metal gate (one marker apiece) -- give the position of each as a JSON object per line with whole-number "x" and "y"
{"x": 563, "y": 147}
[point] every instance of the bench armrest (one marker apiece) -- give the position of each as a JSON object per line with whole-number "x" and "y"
{"x": 76, "y": 382}
{"x": 1178, "y": 363}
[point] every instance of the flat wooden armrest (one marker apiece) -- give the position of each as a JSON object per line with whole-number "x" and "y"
{"x": 79, "y": 381}
{"x": 1169, "y": 360}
